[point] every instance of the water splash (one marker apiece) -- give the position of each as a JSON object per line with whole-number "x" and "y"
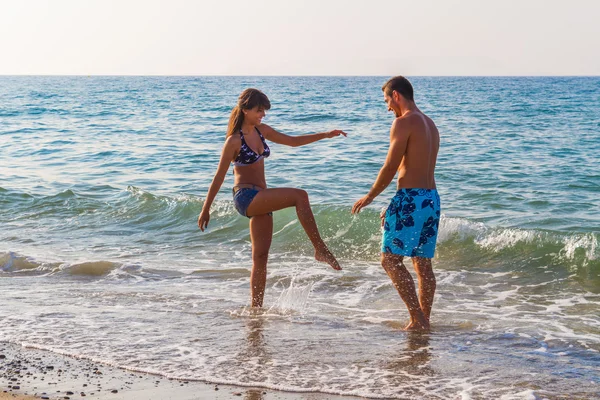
{"x": 292, "y": 299}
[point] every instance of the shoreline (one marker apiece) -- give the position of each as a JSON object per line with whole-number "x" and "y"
{"x": 28, "y": 373}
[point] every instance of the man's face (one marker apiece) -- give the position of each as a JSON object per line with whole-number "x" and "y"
{"x": 392, "y": 104}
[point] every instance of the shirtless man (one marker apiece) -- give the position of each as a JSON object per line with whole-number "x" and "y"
{"x": 411, "y": 221}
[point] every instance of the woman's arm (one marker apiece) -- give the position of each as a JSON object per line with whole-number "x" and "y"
{"x": 228, "y": 153}
{"x": 295, "y": 141}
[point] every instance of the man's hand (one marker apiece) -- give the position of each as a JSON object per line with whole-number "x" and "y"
{"x": 334, "y": 133}
{"x": 203, "y": 219}
{"x": 365, "y": 201}
{"x": 382, "y": 216}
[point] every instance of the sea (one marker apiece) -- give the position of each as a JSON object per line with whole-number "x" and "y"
{"x": 102, "y": 179}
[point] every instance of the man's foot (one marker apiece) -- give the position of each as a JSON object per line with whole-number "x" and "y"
{"x": 326, "y": 256}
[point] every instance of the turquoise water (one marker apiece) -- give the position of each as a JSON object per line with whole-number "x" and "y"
{"x": 102, "y": 179}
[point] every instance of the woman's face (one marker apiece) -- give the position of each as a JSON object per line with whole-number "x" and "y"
{"x": 254, "y": 115}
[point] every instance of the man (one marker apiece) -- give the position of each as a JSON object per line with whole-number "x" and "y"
{"x": 411, "y": 221}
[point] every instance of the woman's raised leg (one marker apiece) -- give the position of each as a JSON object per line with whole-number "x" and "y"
{"x": 269, "y": 200}
{"x": 261, "y": 234}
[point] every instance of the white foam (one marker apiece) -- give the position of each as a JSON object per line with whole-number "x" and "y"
{"x": 503, "y": 238}
{"x": 587, "y": 242}
{"x": 458, "y": 227}
{"x": 497, "y": 239}
{"x": 524, "y": 395}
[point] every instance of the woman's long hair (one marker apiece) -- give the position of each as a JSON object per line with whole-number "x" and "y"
{"x": 249, "y": 99}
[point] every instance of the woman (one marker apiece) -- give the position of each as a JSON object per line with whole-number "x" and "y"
{"x": 246, "y": 147}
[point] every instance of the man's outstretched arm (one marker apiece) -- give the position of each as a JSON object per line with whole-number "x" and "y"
{"x": 398, "y": 142}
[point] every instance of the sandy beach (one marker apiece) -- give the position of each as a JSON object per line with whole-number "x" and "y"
{"x": 27, "y": 373}
{"x": 13, "y": 396}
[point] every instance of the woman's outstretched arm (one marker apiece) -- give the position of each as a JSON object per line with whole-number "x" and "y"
{"x": 295, "y": 141}
{"x": 228, "y": 153}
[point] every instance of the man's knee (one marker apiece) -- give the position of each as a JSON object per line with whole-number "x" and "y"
{"x": 391, "y": 261}
{"x": 424, "y": 269}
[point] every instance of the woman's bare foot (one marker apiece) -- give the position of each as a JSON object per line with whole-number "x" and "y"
{"x": 325, "y": 255}
{"x": 418, "y": 326}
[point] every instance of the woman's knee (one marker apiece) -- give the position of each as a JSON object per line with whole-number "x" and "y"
{"x": 301, "y": 195}
{"x": 260, "y": 257}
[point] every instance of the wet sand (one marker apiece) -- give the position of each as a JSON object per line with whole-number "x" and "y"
{"x": 27, "y": 373}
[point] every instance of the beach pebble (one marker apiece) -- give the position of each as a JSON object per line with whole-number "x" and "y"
{"x": 69, "y": 393}
{"x": 237, "y": 393}
{"x": 2, "y": 356}
{"x": 114, "y": 391}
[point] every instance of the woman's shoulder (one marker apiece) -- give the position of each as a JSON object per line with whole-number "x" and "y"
{"x": 233, "y": 140}
{"x": 264, "y": 127}
{"x": 265, "y": 130}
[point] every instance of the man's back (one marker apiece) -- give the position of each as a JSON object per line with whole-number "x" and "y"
{"x": 418, "y": 164}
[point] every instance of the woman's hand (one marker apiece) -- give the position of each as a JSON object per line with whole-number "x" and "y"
{"x": 203, "y": 220}
{"x": 334, "y": 133}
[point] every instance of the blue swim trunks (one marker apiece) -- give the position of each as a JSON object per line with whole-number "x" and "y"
{"x": 411, "y": 223}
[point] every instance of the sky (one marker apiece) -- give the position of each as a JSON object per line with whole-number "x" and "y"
{"x": 301, "y": 37}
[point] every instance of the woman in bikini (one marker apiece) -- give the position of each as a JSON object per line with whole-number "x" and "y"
{"x": 246, "y": 147}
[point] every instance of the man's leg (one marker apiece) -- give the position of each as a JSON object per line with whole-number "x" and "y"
{"x": 405, "y": 285}
{"x": 427, "y": 283}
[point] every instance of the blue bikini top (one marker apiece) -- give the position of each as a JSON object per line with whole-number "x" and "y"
{"x": 248, "y": 156}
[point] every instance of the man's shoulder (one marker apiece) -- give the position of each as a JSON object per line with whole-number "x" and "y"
{"x": 410, "y": 122}
{"x": 412, "y": 117}
{"x": 401, "y": 125}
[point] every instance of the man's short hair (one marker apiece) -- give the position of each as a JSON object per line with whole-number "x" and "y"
{"x": 401, "y": 85}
